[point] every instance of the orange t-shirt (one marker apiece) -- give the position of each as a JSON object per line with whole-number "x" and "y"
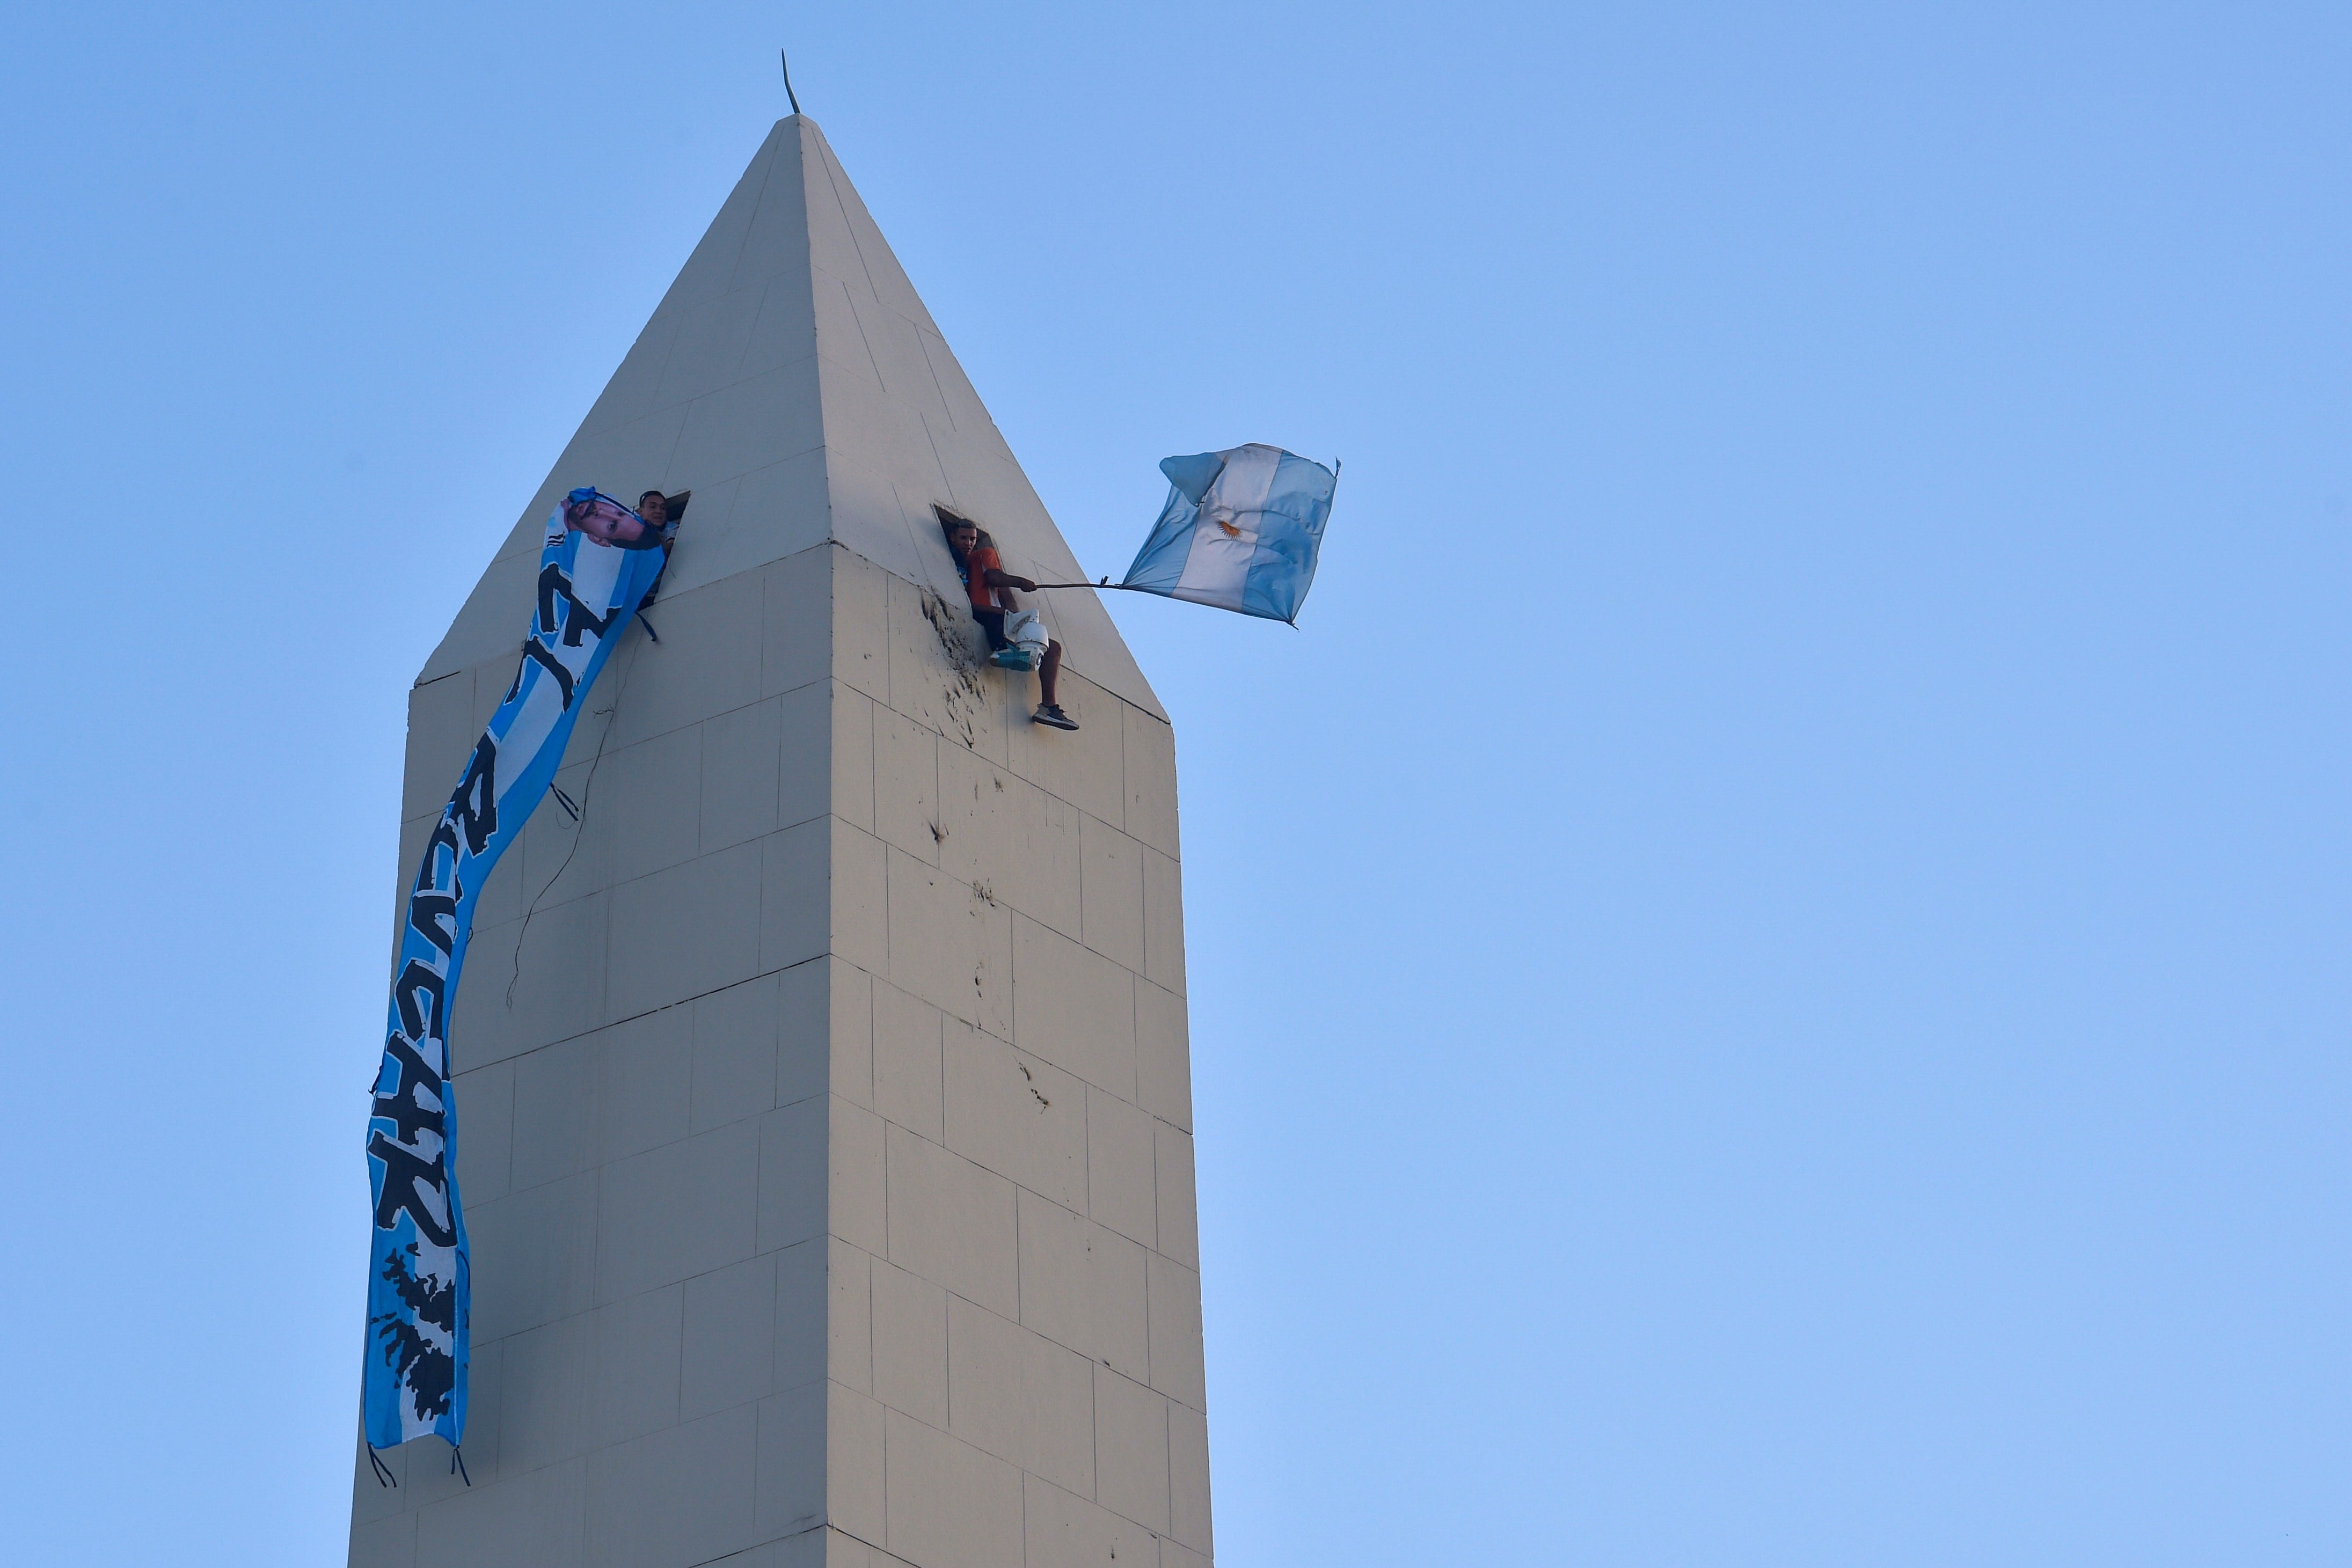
{"x": 974, "y": 568}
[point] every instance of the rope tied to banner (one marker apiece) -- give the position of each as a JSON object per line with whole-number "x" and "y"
{"x": 579, "y": 815}
{"x": 384, "y": 1476}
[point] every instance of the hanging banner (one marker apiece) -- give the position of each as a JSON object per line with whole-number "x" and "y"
{"x": 601, "y": 558}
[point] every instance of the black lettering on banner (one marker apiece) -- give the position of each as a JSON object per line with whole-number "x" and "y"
{"x": 428, "y": 871}
{"x": 534, "y": 649}
{"x": 474, "y": 806}
{"x": 427, "y": 910}
{"x": 404, "y": 1178}
{"x": 399, "y": 1105}
{"x": 554, "y": 584}
{"x": 416, "y": 981}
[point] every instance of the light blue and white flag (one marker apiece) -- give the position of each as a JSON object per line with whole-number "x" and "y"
{"x": 1240, "y": 531}
{"x": 600, "y": 559}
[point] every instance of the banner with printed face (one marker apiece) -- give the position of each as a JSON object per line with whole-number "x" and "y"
{"x": 601, "y": 556}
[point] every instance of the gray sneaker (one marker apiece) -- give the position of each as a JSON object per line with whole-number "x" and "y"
{"x": 1050, "y": 712}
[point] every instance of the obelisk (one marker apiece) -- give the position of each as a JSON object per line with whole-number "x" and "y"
{"x": 824, "y": 1122}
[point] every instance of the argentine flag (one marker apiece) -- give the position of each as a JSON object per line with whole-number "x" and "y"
{"x": 1240, "y": 531}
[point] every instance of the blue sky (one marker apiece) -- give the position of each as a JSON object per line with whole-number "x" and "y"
{"x": 1767, "y": 969}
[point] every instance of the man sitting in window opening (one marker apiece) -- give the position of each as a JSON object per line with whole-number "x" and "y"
{"x": 656, "y": 509}
{"x": 661, "y": 514}
{"x": 991, "y": 589}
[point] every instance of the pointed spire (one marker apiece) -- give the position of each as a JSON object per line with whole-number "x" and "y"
{"x": 793, "y": 381}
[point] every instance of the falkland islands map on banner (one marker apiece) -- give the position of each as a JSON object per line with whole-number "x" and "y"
{"x": 600, "y": 560}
